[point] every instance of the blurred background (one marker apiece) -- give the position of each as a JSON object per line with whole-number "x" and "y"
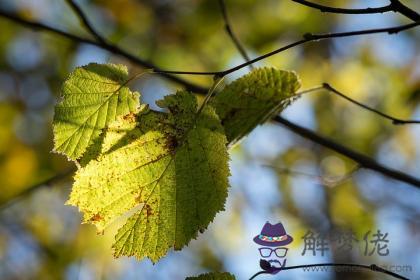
{"x": 41, "y": 238}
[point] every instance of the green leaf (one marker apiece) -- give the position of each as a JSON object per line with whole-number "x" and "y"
{"x": 166, "y": 172}
{"x": 213, "y": 276}
{"x": 92, "y": 97}
{"x": 254, "y": 98}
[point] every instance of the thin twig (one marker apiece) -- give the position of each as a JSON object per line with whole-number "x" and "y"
{"x": 37, "y": 26}
{"x": 372, "y": 267}
{"x": 322, "y": 179}
{"x": 404, "y": 10}
{"x": 329, "y": 88}
{"x": 288, "y": 171}
{"x": 362, "y": 160}
{"x": 394, "y": 6}
{"x": 82, "y": 17}
{"x": 328, "y": 9}
{"x": 394, "y": 120}
{"x": 365, "y": 161}
{"x": 308, "y": 37}
{"x": 170, "y": 74}
{"x": 228, "y": 28}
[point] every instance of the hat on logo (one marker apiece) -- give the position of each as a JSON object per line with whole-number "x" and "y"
{"x": 273, "y": 236}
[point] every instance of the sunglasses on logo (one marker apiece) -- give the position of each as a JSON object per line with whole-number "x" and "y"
{"x": 266, "y": 252}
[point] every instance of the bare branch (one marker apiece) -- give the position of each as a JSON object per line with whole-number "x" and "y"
{"x": 169, "y": 74}
{"x": 78, "y": 11}
{"x": 394, "y": 6}
{"x": 328, "y": 9}
{"x": 308, "y": 37}
{"x": 37, "y": 26}
{"x": 310, "y": 135}
{"x": 404, "y": 10}
{"x": 362, "y": 160}
{"x": 231, "y": 34}
{"x": 329, "y": 88}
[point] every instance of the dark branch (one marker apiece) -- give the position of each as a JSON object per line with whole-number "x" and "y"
{"x": 169, "y": 74}
{"x": 404, "y": 10}
{"x": 306, "y": 38}
{"x": 394, "y": 6}
{"x": 394, "y": 120}
{"x": 328, "y": 9}
{"x": 326, "y": 86}
{"x": 329, "y": 88}
{"x": 372, "y": 267}
{"x": 37, "y": 26}
{"x": 362, "y": 160}
{"x": 78, "y": 11}
{"x": 231, "y": 34}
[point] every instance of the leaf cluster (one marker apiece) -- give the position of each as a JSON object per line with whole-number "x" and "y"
{"x": 167, "y": 172}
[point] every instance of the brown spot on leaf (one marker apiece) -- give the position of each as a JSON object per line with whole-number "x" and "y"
{"x": 130, "y": 117}
{"x": 149, "y": 210}
{"x": 171, "y": 143}
{"x": 96, "y": 218}
{"x": 138, "y": 198}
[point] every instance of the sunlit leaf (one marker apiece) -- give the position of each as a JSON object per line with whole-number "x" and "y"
{"x": 253, "y": 98}
{"x": 92, "y": 97}
{"x": 166, "y": 172}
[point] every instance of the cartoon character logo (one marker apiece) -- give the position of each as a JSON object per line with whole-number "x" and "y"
{"x": 273, "y": 240}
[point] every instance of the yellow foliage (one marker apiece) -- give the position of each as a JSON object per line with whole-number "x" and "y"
{"x": 347, "y": 209}
{"x": 18, "y": 168}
